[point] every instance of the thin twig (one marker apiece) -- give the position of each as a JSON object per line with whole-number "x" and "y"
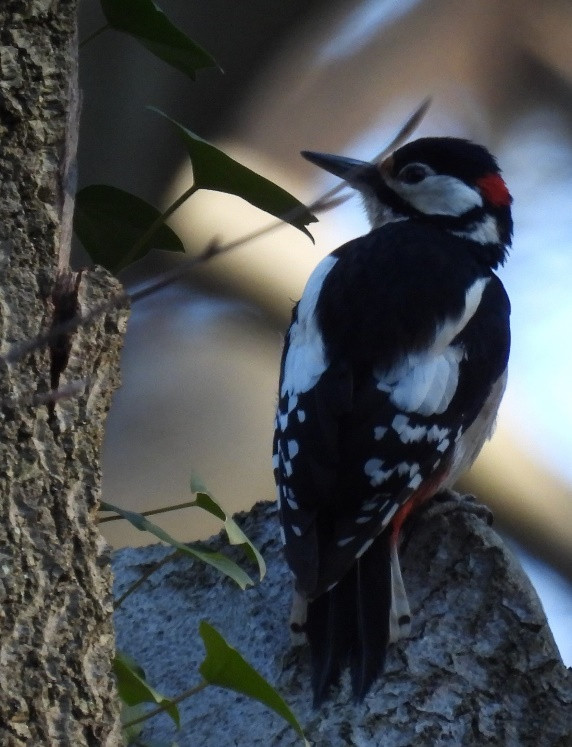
{"x": 157, "y": 224}
{"x": 94, "y": 35}
{"x": 410, "y": 125}
{"x": 325, "y": 202}
{"x": 151, "y": 512}
{"x": 172, "y": 701}
{"x": 155, "y": 567}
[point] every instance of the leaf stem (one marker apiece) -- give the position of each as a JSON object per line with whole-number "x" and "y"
{"x": 156, "y": 225}
{"x": 163, "y": 707}
{"x": 93, "y": 35}
{"x": 167, "y": 559}
{"x": 151, "y": 512}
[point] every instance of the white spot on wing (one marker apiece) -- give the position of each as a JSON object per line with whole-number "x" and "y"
{"x": 400, "y": 422}
{"x": 443, "y": 445}
{"x": 301, "y": 416}
{"x": 404, "y": 468}
{"x": 292, "y": 447}
{"x": 364, "y": 547}
{"x": 306, "y": 359}
{"x": 415, "y": 481}
{"x": 290, "y": 500}
{"x": 345, "y": 541}
{"x": 292, "y": 402}
{"x": 379, "y": 432}
{"x": 297, "y": 531}
{"x": 407, "y": 433}
{"x": 369, "y": 505}
{"x": 373, "y": 468}
{"x": 389, "y": 516}
{"x": 437, "y": 434}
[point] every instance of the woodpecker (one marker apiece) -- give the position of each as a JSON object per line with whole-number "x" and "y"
{"x": 392, "y": 373}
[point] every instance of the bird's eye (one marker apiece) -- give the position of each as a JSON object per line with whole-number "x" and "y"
{"x": 413, "y": 173}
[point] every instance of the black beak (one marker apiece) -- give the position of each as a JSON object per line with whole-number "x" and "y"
{"x": 356, "y": 173}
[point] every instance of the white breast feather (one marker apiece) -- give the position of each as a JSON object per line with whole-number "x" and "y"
{"x": 481, "y": 429}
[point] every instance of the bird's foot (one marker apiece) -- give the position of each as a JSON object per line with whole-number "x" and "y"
{"x": 444, "y": 502}
{"x": 449, "y": 500}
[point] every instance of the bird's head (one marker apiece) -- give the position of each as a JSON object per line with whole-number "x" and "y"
{"x": 448, "y": 182}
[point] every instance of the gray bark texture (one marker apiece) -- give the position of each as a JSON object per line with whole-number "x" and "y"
{"x": 56, "y": 635}
{"x": 480, "y": 668}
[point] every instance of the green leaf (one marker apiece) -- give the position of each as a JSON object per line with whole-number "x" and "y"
{"x": 128, "y": 713}
{"x": 197, "y": 485}
{"x": 224, "y": 666}
{"x": 216, "y": 559}
{"x": 133, "y": 689}
{"x": 110, "y": 223}
{"x": 215, "y": 170}
{"x": 147, "y": 23}
{"x": 234, "y": 533}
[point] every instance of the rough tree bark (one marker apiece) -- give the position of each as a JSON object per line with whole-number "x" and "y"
{"x": 56, "y": 636}
{"x": 480, "y": 668}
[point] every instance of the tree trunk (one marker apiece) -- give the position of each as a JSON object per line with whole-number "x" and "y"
{"x": 56, "y": 635}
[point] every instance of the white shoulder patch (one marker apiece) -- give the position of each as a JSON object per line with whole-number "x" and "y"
{"x": 306, "y": 359}
{"x": 425, "y": 382}
{"x": 445, "y": 335}
{"x": 428, "y": 384}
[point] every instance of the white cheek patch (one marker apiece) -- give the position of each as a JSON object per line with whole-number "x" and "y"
{"x": 439, "y": 194}
{"x": 306, "y": 359}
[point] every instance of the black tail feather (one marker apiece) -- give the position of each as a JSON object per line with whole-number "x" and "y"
{"x": 330, "y": 633}
{"x": 373, "y": 604}
{"x": 351, "y": 623}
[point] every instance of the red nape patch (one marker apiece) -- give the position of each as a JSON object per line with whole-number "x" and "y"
{"x": 494, "y": 190}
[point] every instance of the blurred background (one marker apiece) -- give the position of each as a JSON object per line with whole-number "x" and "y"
{"x": 200, "y": 363}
